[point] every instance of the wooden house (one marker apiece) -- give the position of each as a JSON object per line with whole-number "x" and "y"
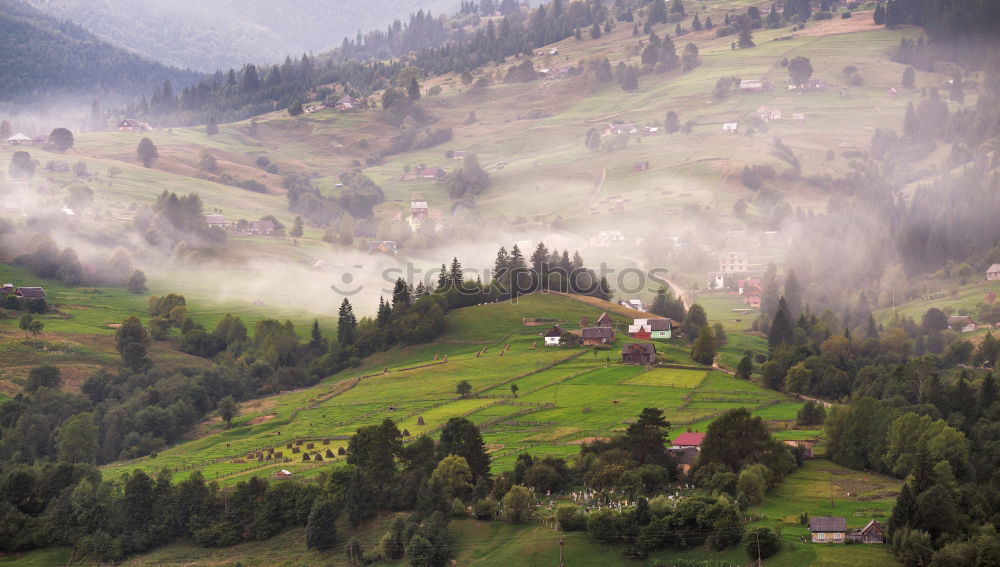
{"x": 133, "y": 125}
{"x": 217, "y": 221}
{"x": 640, "y": 166}
{"x": 261, "y": 228}
{"x": 6, "y": 289}
{"x": 554, "y": 336}
{"x": 751, "y": 86}
{"x": 635, "y": 303}
{"x": 30, "y": 292}
{"x": 828, "y": 529}
{"x": 419, "y": 173}
{"x": 651, "y": 328}
{"x": 730, "y": 127}
{"x": 961, "y": 323}
{"x": 282, "y": 475}
{"x": 639, "y": 353}
{"x": 993, "y": 273}
{"x": 873, "y": 532}
{"x": 616, "y": 128}
{"x": 605, "y": 321}
{"x": 805, "y": 444}
{"x": 593, "y": 336}
{"x": 419, "y": 210}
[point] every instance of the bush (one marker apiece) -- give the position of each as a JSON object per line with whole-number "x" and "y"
{"x": 486, "y": 508}
{"x": 571, "y": 518}
{"x": 857, "y": 80}
{"x": 263, "y": 161}
{"x": 761, "y": 542}
{"x": 845, "y": 15}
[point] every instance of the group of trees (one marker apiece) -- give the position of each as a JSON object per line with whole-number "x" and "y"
{"x": 515, "y": 275}
{"x": 356, "y": 199}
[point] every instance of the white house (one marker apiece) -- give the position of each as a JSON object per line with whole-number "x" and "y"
{"x": 730, "y": 127}
{"x": 554, "y": 336}
{"x": 993, "y": 273}
{"x": 637, "y": 304}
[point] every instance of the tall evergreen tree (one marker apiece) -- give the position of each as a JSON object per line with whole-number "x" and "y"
{"x": 347, "y": 324}
{"x": 793, "y": 295}
{"x": 781, "y": 330}
{"x": 501, "y": 264}
{"x": 455, "y": 274}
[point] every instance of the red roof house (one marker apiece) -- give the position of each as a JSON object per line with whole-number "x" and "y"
{"x": 688, "y": 440}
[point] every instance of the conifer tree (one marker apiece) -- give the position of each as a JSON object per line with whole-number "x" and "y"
{"x": 781, "y": 330}
{"x": 347, "y": 324}
{"x": 212, "y": 128}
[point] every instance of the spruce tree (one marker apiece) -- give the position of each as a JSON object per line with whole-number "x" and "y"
{"x": 904, "y": 510}
{"x": 910, "y": 125}
{"x": 745, "y": 368}
{"x": 413, "y": 89}
{"x": 703, "y": 350}
{"x": 212, "y": 128}
{"x": 793, "y": 295}
{"x": 316, "y": 342}
{"x": 745, "y": 40}
{"x": 781, "y": 330}
{"x": 321, "y": 527}
{"x": 347, "y": 324}
{"x": 909, "y": 78}
{"x": 455, "y": 275}
{"x": 501, "y": 264}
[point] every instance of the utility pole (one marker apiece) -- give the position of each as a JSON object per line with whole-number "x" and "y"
{"x": 562, "y": 545}
{"x": 760, "y": 562}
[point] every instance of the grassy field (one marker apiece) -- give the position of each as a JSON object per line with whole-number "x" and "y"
{"x": 565, "y": 396}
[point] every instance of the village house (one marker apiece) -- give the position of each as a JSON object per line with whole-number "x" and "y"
{"x": 636, "y": 303}
{"x": 768, "y": 114}
{"x": 993, "y": 273}
{"x": 640, "y": 166}
{"x": 56, "y": 165}
{"x": 616, "y": 128}
{"x": 806, "y": 445}
{"x": 873, "y": 532}
{"x": 734, "y": 263}
{"x": 639, "y": 353}
{"x": 216, "y": 221}
{"x": 30, "y": 292}
{"x": 605, "y": 320}
{"x": 755, "y": 86}
{"x": 423, "y": 173}
{"x": 730, "y": 127}
{"x": 688, "y": 441}
{"x": 261, "y": 228}
{"x": 651, "y": 328}
{"x": 133, "y": 125}
{"x": 554, "y": 336}
{"x": 593, "y": 336}
{"x": 828, "y": 529}
{"x": 419, "y": 210}
{"x": 6, "y": 289}
{"x": 283, "y": 474}
{"x": 716, "y": 280}
{"x": 20, "y": 139}
{"x": 809, "y": 85}
{"x": 961, "y": 323}
{"x": 346, "y": 103}
{"x": 458, "y": 154}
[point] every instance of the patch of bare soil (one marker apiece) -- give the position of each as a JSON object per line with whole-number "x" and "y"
{"x": 262, "y": 419}
{"x": 860, "y": 21}
{"x": 584, "y": 440}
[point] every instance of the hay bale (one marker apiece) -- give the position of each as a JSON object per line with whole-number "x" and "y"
{"x": 279, "y": 454}
{"x": 406, "y": 433}
{"x": 296, "y": 450}
{"x": 341, "y": 451}
{"x": 420, "y": 420}
{"x": 329, "y": 454}
{"x": 326, "y": 441}
{"x": 305, "y": 456}
{"x": 318, "y": 457}
{"x": 310, "y": 445}
{"x": 288, "y": 445}
{"x": 298, "y": 442}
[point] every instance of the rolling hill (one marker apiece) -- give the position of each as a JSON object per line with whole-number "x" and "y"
{"x": 45, "y": 59}
{"x": 223, "y": 34}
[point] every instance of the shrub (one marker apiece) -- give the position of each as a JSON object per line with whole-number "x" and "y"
{"x": 486, "y": 508}
{"x": 571, "y": 518}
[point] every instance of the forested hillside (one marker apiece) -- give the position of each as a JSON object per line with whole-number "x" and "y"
{"x": 213, "y": 35}
{"x": 44, "y": 57}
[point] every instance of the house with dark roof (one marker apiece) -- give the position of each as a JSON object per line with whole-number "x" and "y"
{"x": 828, "y": 529}
{"x": 261, "y": 227}
{"x": 873, "y": 532}
{"x": 133, "y": 125}
{"x": 554, "y": 336}
{"x": 593, "y": 336}
{"x": 605, "y": 320}
{"x": 639, "y": 353}
{"x": 30, "y": 292}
